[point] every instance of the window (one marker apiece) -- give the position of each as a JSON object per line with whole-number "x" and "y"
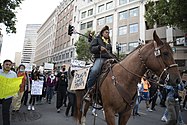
{"x": 75, "y": 8}
{"x": 109, "y": 5}
{"x": 89, "y": 24}
{"x": 131, "y": 0}
{"x": 122, "y": 30}
{"x": 110, "y": 32}
{"x": 101, "y": 21}
{"x": 122, "y": 2}
{"x": 101, "y": 8}
{"x": 90, "y": 12}
{"x": 83, "y": 14}
{"x": 123, "y": 15}
{"x": 133, "y": 28}
{"x": 133, "y": 45}
{"x": 109, "y": 19}
{"x": 83, "y": 26}
{"x": 123, "y": 47}
{"x": 133, "y": 12}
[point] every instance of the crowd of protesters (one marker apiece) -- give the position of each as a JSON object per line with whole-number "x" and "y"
{"x": 173, "y": 99}
{"x": 58, "y": 84}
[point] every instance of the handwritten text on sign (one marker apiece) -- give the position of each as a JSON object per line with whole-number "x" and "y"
{"x": 80, "y": 78}
{"x": 37, "y": 87}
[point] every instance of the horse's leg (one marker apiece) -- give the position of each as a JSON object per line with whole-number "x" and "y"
{"x": 85, "y": 110}
{"x": 124, "y": 117}
{"x": 109, "y": 116}
{"x": 78, "y": 109}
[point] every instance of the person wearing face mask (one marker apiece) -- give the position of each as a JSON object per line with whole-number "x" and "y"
{"x": 51, "y": 82}
{"x": 16, "y": 101}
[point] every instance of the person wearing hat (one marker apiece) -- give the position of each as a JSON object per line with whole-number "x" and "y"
{"x": 101, "y": 48}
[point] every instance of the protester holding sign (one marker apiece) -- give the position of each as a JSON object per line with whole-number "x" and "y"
{"x": 36, "y": 89}
{"x": 16, "y": 101}
{"x": 6, "y": 102}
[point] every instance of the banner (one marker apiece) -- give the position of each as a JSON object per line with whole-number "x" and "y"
{"x": 48, "y": 66}
{"x": 80, "y": 78}
{"x": 9, "y": 86}
{"x": 36, "y": 88}
{"x": 77, "y": 64}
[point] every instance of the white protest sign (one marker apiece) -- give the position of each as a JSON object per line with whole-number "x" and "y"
{"x": 77, "y": 64}
{"x": 36, "y": 88}
{"x": 28, "y": 66}
{"x": 80, "y": 78}
{"x": 49, "y": 66}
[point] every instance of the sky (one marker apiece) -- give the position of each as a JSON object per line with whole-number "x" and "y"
{"x": 30, "y": 12}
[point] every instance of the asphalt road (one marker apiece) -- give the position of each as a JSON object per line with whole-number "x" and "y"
{"x": 46, "y": 114}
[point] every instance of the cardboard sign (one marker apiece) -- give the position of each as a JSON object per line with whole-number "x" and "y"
{"x": 80, "y": 78}
{"x": 36, "y": 88}
{"x": 28, "y": 67}
{"x": 49, "y": 66}
{"x": 77, "y": 64}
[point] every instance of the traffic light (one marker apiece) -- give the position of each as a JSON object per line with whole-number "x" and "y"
{"x": 70, "y": 30}
{"x": 90, "y": 37}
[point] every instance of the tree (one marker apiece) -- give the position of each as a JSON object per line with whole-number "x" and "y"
{"x": 167, "y": 12}
{"x": 7, "y": 14}
{"x": 83, "y": 48}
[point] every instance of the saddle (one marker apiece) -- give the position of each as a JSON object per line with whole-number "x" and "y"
{"x": 107, "y": 66}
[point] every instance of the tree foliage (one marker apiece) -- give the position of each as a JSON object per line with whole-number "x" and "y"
{"x": 83, "y": 48}
{"x": 7, "y": 14}
{"x": 167, "y": 12}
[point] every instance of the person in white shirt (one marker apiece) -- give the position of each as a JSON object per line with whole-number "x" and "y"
{"x": 6, "y": 102}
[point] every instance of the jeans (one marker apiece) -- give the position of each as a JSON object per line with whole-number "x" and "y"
{"x": 136, "y": 107}
{"x": 6, "y": 110}
{"x": 50, "y": 91}
{"x": 94, "y": 72}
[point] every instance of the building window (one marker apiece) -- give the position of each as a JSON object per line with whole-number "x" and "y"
{"x": 123, "y": 15}
{"x": 75, "y": 8}
{"x": 83, "y": 26}
{"x": 109, "y": 19}
{"x": 133, "y": 12}
{"x": 109, "y": 5}
{"x": 83, "y": 14}
{"x": 122, "y": 30}
{"x": 101, "y": 8}
{"x": 131, "y": 0}
{"x": 90, "y": 12}
{"x": 133, "y": 28}
{"x": 110, "y": 32}
{"x": 89, "y": 24}
{"x": 101, "y": 21}
{"x": 122, "y": 2}
{"x": 123, "y": 47}
{"x": 74, "y": 19}
{"x": 133, "y": 45}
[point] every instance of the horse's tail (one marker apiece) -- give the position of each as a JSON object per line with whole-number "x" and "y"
{"x": 78, "y": 107}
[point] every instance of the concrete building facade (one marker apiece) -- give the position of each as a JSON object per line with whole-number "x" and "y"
{"x": 29, "y": 43}
{"x": 45, "y": 41}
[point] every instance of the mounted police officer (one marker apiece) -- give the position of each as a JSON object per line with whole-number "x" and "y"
{"x": 101, "y": 48}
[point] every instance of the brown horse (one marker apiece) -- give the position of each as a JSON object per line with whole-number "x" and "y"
{"x": 118, "y": 90}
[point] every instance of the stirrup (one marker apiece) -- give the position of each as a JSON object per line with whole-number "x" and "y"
{"x": 87, "y": 96}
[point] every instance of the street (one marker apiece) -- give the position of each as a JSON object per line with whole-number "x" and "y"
{"x": 45, "y": 114}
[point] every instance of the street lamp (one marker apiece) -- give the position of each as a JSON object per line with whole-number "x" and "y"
{"x": 118, "y": 48}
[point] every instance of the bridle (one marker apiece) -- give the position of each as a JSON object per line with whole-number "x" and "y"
{"x": 157, "y": 53}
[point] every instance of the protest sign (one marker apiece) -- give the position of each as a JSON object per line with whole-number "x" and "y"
{"x": 80, "y": 78}
{"x": 9, "y": 86}
{"x": 36, "y": 88}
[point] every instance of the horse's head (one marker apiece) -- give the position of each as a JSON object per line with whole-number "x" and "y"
{"x": 160, "y": 60}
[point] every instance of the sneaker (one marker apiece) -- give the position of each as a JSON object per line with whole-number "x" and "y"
{"x": 29, "y": 108}
{"x": 164, "y": 119}
{"x": 58, "y": 110}
{"x": 150, "y": 110}
{"x": 33, "y": 108}
{"x": 94, "y": 114}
